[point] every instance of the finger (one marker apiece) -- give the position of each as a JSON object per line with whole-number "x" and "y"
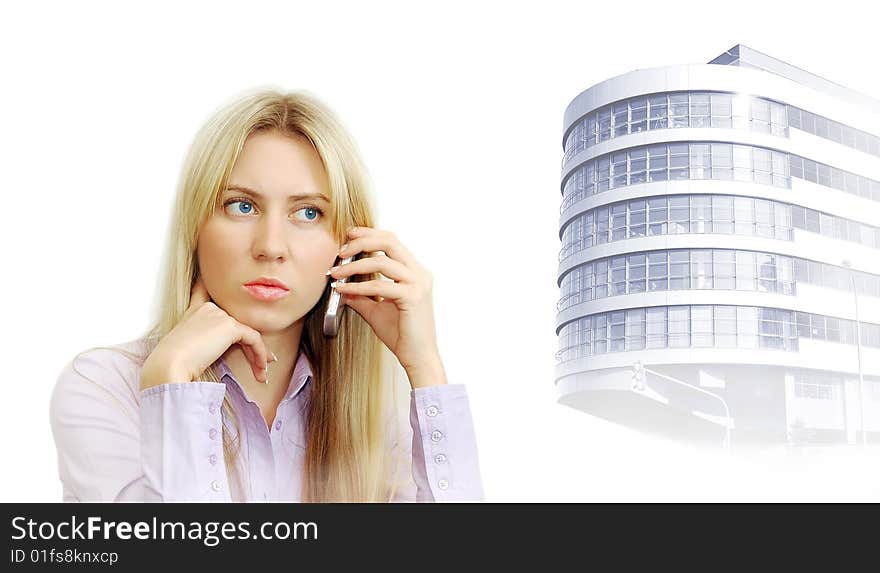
{"x": 361, "y": 304}
{"x": 254, "y": 340}
{"x": 385, "y": 289}
{"x": 367, "y": 239}
{"x": 392, "y": 269}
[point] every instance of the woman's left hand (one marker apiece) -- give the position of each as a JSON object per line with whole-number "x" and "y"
{"x": 403, "y": 315}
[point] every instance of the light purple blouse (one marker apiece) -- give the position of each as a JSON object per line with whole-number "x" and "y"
{"x": 118, "y": 443}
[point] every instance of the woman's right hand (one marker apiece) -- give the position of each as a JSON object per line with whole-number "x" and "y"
{"x": 203, "y": 334}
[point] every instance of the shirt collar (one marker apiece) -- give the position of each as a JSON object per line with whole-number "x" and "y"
{"x": 302, "y": 373}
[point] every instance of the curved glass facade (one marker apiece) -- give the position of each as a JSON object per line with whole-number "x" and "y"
{"x": 678, "y": 269}
{"x": 675, "y": 214}
{"x": 676, "y": 161}
{"x": 728, "y": 214}
{"x": 703, "y": 326}
{"x": 723, "y": 269}
{"x": 707, "y": 160}
{"x": 673, "y": 110}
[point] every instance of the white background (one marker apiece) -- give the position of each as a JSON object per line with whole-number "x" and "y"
{"x": 458, "y": 110}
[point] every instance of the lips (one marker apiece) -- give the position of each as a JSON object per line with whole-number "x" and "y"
{"x": 268, "y": 282}
{"x": 266, "y": 288}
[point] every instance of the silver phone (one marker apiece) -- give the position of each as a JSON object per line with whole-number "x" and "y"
{"x": 335, "y": 308}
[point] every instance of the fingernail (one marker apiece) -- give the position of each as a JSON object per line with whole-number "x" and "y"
{"x": 274, "y": 358}
{"x": 343, "y": 247}
{"x": 327, "y": 274}
{"x": 336, "y": 284}
{"x": 266, "y": 376}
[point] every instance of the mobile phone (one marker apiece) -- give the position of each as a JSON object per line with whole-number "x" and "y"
{"x": 335, "y": 308}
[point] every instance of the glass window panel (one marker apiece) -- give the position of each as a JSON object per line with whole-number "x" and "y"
{"x": 621, "y": 118}
{"x": 745, "y": 270}
{"x": 744, "y": 213}
{"x": 637, "y": 218}
{"x": 602, "y": 225}
{"x": 796, "y": 165}
{"x": 769, "y": 329}
{"x": 658, "y": 111}
{"x": 637, "y": 272}
{"x": 724, "y": 269}
{"x": 810, "y": 170}
{"x": 722, "y": 214}
{"x": 604, "y": 121}
{"x": 679, "y": 326}
{"x": 678, "y": 108}
{"x": 678, "y": 161}
{"x": 618, "y": 169}
{"x": 701, "y": 214}
{"x": 600, "y": 333}
{"x": 635, "y": 329}
{"x": 679, "y": 270}
{"x": 722, "y": 161}
{"x": 638, "y": 109}
{"x": 701, "y": 268}
{"x": 658, "y": 215}
{"x": 721, "y": 110}
{"x": 700, "y": 161}
{"x": 618, "y": 222}
{"x": 617, "y": 323}
{"x": 725, "y": 319}
{"x": 763, "y": 218}
{"x": 658, "y": 275}
{"x": 618, "y": 275}
{"x": 679, "y": 214}
{"x": 747, "y": 327}
{"x": 763, "y": 166}
{"x": 794, "y": 117}
{"x": 601, "y": 278}
{"x": 742, "y": 163}
{"x": 766, "y": 272}
{"x": 701, "y": 325}
{"x": 812, "y": 220}
{"x": 656, "y": 327}
{"x": 699, "y": 110}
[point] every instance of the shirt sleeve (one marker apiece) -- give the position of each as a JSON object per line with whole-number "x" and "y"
{"x": 115, "y": 446}
{"x": 443, "y": 447}
{"x": 94, "y": 419}
{"x": 182, "y": 442}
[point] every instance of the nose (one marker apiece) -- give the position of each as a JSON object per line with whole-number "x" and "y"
{"x": 270, "y": 241}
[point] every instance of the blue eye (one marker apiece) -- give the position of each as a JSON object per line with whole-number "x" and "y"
{"x": 247, "y": 210}
{"x": 311, "y": 213}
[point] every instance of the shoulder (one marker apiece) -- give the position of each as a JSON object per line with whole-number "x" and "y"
{"x": 102, "y": 374}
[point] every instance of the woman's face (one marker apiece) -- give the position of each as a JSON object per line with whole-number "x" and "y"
{"x": 271, "y": 221}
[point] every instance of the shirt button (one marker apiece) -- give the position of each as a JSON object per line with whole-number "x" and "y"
{"x": 440, "y": 458}
{"x": 213, "y": 459}
{"x": 215, "y": 485}
{"x": 213, "y": 434}
{"x": 443, "y": 484}
{"x": 432, "y": 411}
{"x": 436, "y": 435}
{"x": 212, "y": 408}
{"x": 278, "y": 425}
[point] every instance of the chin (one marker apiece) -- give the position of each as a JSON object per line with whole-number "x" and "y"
{"x": 267, "y": 320}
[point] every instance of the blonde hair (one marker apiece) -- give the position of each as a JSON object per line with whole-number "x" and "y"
{"x": 346, "y": 457}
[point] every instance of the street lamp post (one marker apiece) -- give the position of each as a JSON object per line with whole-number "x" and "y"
{"x": 852, "y": 278}
{"x": 638, "y": 378}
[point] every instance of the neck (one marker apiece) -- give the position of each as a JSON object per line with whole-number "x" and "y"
{"x": 284, "y": 344}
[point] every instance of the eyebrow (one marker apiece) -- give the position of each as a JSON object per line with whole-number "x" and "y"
{"x": 290, "y": 198}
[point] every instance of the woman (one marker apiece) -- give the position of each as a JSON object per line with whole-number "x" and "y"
{"x": 235, "y": 393}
